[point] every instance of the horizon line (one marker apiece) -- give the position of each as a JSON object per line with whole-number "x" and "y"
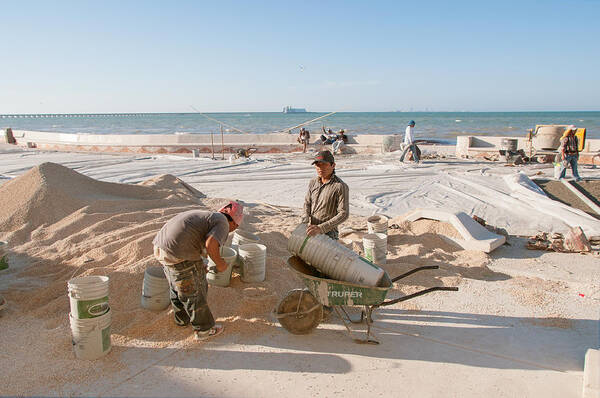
{"x": 298, "y": 113}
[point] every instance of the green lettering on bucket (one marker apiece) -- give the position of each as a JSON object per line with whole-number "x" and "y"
{"x": 87, "y": 309}
{"x": 4, "y": 262}
{"x": 106, "y": 338}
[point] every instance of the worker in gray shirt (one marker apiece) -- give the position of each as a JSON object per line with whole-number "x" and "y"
{"x": 180, "y": 246}
{"x": 327, "y": 202}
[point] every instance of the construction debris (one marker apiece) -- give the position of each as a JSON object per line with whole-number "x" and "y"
{"x": 574, "y": 241}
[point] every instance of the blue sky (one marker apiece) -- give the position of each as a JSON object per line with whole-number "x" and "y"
{"x": 226, "y": 56}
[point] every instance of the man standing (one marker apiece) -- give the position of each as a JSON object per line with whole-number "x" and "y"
{"x": 409, "y": 142}
{"x": 569, "y": 149}
{"x": 326, "y": 204}
{"x": 303, "y": 138}
{"x": 180, "y": 247}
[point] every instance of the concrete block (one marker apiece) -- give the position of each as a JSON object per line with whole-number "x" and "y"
{"x": 475, "y": 236}
{"x": 576, "y": 241}
{"x": 591, "y": 374}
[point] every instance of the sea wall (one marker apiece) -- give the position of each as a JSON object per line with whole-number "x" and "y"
{"x": 466, "y": 146}
{"x": 179, "y": 143}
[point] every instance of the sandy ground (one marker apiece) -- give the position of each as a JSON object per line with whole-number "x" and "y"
{"x": 519, "y": 325}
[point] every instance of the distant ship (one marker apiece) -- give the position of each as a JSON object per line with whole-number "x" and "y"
{"x": 289, "y": 109}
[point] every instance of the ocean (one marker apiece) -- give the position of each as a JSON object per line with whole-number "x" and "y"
{"x": 442, "y": 126}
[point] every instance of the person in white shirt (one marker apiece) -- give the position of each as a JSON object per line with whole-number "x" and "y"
{"x": 409, "y": 142}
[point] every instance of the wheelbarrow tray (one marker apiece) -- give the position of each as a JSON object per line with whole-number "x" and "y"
{"x": 332, "y": 292}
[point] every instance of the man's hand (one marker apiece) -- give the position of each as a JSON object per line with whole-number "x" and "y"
{"x": 313, "y": 230}
{"x": 212, "y": 248}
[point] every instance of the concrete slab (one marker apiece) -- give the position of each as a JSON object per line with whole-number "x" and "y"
{"x": 475, "y": 236}
{"x": 327, "y": 363}
{"x": 591, "y": 374}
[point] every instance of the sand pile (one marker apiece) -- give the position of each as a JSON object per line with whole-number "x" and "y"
{"x": 60, "y": 223}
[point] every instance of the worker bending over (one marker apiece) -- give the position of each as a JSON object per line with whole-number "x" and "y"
{"x": 181, "y": 246}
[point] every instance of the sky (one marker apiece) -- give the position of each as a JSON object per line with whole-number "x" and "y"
{"x": 259, "y": 56}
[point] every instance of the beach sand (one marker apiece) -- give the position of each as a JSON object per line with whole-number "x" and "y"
{"x": 519, "y": 325}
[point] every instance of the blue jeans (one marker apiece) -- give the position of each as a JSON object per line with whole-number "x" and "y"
{"x": 337, "y": 145}
{"x": 572, "y": 160}
{"x": 188, "y": 292}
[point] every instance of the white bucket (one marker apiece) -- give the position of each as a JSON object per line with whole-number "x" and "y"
{"x": 155, "y": 289}
{"x": 254, "y": 259}
{"x": 333, "y": 259}
{"x": 91, "y": 337}
{"x": 221, "y": 278}
{"x": 557, "y": 170}
{"x": 241, "y": 237}
{"x": 377, "y": 224}
{"x": 375, "y": 246}
{"x": 88, "y": 296}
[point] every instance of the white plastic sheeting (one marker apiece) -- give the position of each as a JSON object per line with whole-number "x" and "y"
{"x": 378, "y": 183}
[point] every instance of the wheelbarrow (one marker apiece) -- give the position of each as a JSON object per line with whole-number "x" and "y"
{"x": 301, "y": 310}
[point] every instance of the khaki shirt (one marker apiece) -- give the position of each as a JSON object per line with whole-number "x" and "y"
{"x": 184, "y": 236}
{"x": 326, "y": 205}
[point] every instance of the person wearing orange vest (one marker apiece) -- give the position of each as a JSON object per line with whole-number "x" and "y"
{"x": 569, "y": 150}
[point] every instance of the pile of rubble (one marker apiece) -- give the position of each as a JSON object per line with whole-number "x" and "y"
{"x": 573, "y": 241}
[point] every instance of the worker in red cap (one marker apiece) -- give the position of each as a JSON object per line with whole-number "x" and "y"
{"x": 181, "y": 246}
{"x": 327, "y": 203}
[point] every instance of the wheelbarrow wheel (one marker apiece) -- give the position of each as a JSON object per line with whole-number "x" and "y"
{"x": 299, "y": 312}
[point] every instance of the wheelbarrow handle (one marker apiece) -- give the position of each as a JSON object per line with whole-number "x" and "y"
{"x": 422, "y": 292}
{"x": 412, "y": 271}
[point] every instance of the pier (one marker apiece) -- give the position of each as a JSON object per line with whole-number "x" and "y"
{"x": 70, "y": 115}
